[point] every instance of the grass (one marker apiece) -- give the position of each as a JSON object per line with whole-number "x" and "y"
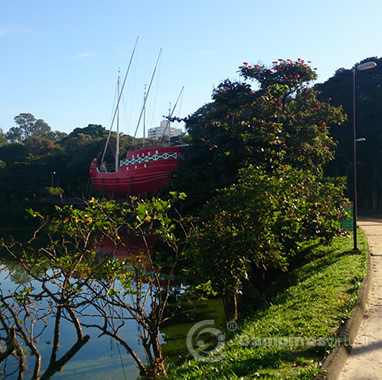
{"x": 290, "y": 337}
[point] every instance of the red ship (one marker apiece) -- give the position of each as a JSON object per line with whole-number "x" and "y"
{"x": 143, "y": 171}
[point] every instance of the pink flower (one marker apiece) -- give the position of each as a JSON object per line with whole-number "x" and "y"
{"x": 315, "y": 68}
{"x": 245, "y": 63}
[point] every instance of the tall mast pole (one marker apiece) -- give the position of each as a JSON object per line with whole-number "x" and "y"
{"x": 144, "y": 117}
{"x": 169, "y": 122}
{"x": 170, "y": 113}
{"x": 148, "y": 91}
{"x": 119, "y": 99}
{"x": 117, "y": 138}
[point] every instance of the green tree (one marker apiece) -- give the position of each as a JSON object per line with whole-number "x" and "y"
{"x": 28, "y": 126}
{"x": 281, "y": 121}
{"x": 3, "y": 139}
{"x": 75, "y": 282}
{"x": 339, "y": 89}
{"x": 79, "y": 148}
{"x": 28, "y": 167}
{"x": 258, "y": 225}
{"x": 29, "y": 163}
{"x": 255, "y": 218}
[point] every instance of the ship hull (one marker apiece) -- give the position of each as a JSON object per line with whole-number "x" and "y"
{"x": 143, "y": 171}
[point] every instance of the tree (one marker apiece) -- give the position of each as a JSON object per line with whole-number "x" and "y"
{"x": 75, "y": 280}
{"x": 259, "y": 225}
{"x": 28, "y": 126}
{"x": 79, "y": 148}
{"x": 29, "y": 163}
{"x": 283, "y": 121}
{"x": 368, "y": 116}
{"x": 26, "y": 310}
{"x": 254, "y": 172}
{"x": 3, "y": 140}
{"x": 92, "y": 130}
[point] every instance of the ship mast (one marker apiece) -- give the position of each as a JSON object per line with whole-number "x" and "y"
{"x": 170, "y": 113}
{"x": 117, "y": 137}
{"x": 169, "y": 122}
{"x": 118, "y": 101}
{"x": 148, "y": 91}
{"x": 144, "y": 117}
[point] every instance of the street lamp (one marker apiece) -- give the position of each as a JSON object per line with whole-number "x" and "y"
{"x": 362, "y": 66}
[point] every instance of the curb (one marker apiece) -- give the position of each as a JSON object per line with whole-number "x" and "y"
{"x": 335, "y": 361}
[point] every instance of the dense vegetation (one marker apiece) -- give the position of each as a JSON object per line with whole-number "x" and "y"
{"x": 34, "y": 158}
{"x": 258, "y": 192}
{"x": 32, "y": 151}
{"x": 368, "y": 116}
{"x": 254, "y": 177}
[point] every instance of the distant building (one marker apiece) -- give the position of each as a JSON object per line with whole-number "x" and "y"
{"x": 158, "y": 133}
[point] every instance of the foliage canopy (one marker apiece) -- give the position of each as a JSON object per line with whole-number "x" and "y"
{"x": 282, "y": 121}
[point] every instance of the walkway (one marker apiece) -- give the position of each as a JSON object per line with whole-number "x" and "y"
{"x": 365, "y": 360}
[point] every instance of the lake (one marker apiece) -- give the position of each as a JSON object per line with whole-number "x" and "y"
{"x": 102, "y": 358}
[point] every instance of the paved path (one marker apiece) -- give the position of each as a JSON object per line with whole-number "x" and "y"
{"x": 365, "y": 360}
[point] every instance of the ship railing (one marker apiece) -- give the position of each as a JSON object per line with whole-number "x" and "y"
{"x": 156, "y": 143}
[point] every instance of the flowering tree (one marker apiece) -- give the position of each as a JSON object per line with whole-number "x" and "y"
{"x": 278, "y": 119}
{"x": 254, "y": 173}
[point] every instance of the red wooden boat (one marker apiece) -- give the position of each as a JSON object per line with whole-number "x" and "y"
{"x": 143, "y": 171}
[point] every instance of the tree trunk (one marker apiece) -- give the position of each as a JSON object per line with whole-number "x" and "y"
{"x": 158, "y": 365}
{"x": 230, "y": 307}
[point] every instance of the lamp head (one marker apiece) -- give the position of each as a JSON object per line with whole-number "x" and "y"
{"x": 366, "y": 66}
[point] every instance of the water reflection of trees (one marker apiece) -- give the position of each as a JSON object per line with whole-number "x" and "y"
{"x": 67, "y": 281}
{"x": 26, "y": 309}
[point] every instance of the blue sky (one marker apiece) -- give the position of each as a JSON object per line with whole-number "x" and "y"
{"x": 60, "y": 59}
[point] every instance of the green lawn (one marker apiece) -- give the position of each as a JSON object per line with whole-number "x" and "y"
{"x": 289, "y": 338}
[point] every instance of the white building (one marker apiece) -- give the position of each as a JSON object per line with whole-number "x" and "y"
{"x": 161, "y": 132}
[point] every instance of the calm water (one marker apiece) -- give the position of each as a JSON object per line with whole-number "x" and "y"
{"x": 102, "y": 358}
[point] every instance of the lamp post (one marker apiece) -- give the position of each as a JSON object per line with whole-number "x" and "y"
{"x": 362, "y": 66}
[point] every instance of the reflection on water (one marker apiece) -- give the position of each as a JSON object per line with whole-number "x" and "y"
{"x": 102, "y": 358}
{"x": 175, "y": 332}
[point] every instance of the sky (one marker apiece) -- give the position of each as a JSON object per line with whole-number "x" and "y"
{"x": 59, "y": 60}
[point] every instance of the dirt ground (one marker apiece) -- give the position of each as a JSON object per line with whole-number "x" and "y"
{"x": 365, "y": 360}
